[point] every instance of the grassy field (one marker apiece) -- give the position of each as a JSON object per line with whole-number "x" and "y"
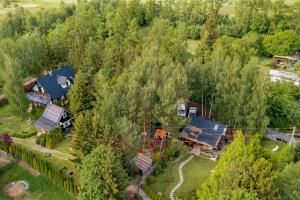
{"x": 11, "y": 123}
{"x": 195, "y": 174}
{"x": 64, "y": 146}
{"x": 40, "y": 187}
{"x": 32, "y": 5}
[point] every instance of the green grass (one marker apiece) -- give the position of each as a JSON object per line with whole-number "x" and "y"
{"x": 269, "y": 145}
{"x": 64, "y": 146}
{"x": 40, "y": 187}
{"x": 33, "y": 5}
{"x": 11, "y": 123}
{"x": 195, "y": 173}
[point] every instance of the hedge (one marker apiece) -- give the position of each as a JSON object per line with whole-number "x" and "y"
{"x": 23, "y": 135}
{"x": 43, "y": 167}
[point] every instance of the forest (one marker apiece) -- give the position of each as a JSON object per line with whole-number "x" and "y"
{"x": 133, "y": 65}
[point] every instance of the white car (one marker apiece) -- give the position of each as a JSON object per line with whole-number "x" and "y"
{"x": 181, "y": 110}
{"x": 192, "y": 112}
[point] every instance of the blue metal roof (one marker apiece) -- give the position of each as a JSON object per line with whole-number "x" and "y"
{"x": 210, "y": 133}
{"x": 50, "y": 84}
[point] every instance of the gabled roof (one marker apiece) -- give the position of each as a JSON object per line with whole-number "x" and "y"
{"x": 50, "y": 118}
{"x": 143, "y": 162}
{"x": 52, "y": 81}
{"x": 204, "y": 131}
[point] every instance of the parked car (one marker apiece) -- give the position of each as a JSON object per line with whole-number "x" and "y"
{"x": 192, "y": 112}
{"x": 181, "y": 109}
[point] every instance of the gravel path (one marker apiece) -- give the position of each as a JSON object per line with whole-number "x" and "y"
{"x": 181, "y": 179}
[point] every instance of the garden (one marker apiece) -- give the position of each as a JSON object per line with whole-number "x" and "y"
{"x": 40, "y": 187}
{"x": 195, "y": 173}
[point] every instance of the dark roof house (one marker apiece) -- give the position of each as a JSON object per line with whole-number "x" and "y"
{"x": 203, "y": 131}
{"x": 52, "y": 117}
{"x": 56, "y": 83}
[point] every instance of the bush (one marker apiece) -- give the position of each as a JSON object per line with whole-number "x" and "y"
{"x": 194, "y": 32}
{"x": 54, "y": 137}
{"x": 51, "y": 139}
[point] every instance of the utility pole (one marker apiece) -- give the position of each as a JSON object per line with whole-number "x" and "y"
{"x": 292, "y": 140}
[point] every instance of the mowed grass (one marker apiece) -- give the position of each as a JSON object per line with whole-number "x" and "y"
{"x": 195, "y": 173}
{"x": 10, "y": 123}
{"x": 64, "y": 146}
{"x": 40, "y": 187}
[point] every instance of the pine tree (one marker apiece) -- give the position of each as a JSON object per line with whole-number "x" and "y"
{"x": 80, "y": 94}
{"x": 83, "y": 137}
{"x": 102, "y": 175}
{"x": 243, "y": 166}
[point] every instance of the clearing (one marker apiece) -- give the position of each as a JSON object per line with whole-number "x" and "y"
{"x": 33, "y": 5}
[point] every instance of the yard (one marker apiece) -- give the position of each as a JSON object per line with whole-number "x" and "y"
{"x": 12, "y": 124}
{"x": 195, "y": 173}
{"x": 40, "y": 187}
{"x": 269, "y": 145}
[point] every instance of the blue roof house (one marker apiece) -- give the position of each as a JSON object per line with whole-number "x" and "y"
{"x": 52, "y": 86}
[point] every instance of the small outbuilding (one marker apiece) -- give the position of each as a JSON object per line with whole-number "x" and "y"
{"x": 53, "y": 117}
{"x": 143, "y": 163}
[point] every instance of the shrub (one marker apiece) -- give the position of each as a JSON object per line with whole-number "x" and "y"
{"x": 54, "y": 137}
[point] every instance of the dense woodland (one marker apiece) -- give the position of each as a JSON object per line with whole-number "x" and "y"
{"x": 132, "y": 67}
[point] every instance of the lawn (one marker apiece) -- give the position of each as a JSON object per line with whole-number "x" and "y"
{"x": 40, "y": 187}
{"x": 195, "y": 173}
{"x": 64, "y": 146}
{"x": 269, "y": 145}
{"x": 11, "y": 123}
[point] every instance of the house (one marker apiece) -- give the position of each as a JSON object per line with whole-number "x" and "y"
{"x": 204, "y": 135}
{"x": 53, "y": 86}
{"x": 286, "y": 62}
{"x": 52, "y": 117}
{"x": 277, "y": 76}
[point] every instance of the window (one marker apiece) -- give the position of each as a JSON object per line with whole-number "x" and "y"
{"x": 65, "y": 115}
{"x": 216, "y": 127}
{"x": 66, "y": 124}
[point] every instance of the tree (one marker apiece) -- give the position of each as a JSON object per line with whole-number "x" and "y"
{"x": 83, "y": 139}
{"x": 102, "y": 178}
{"x": 13, "y": 86}
{"x": 237, "y": 194}
{"x": 282, "y": 105}
{"x": 242, "y": 167}
{"x": 286, "y": 156}
{"x": 80, "y": 94}
{"x": 288, "y": 182}
{"x": 281, "y": 43}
